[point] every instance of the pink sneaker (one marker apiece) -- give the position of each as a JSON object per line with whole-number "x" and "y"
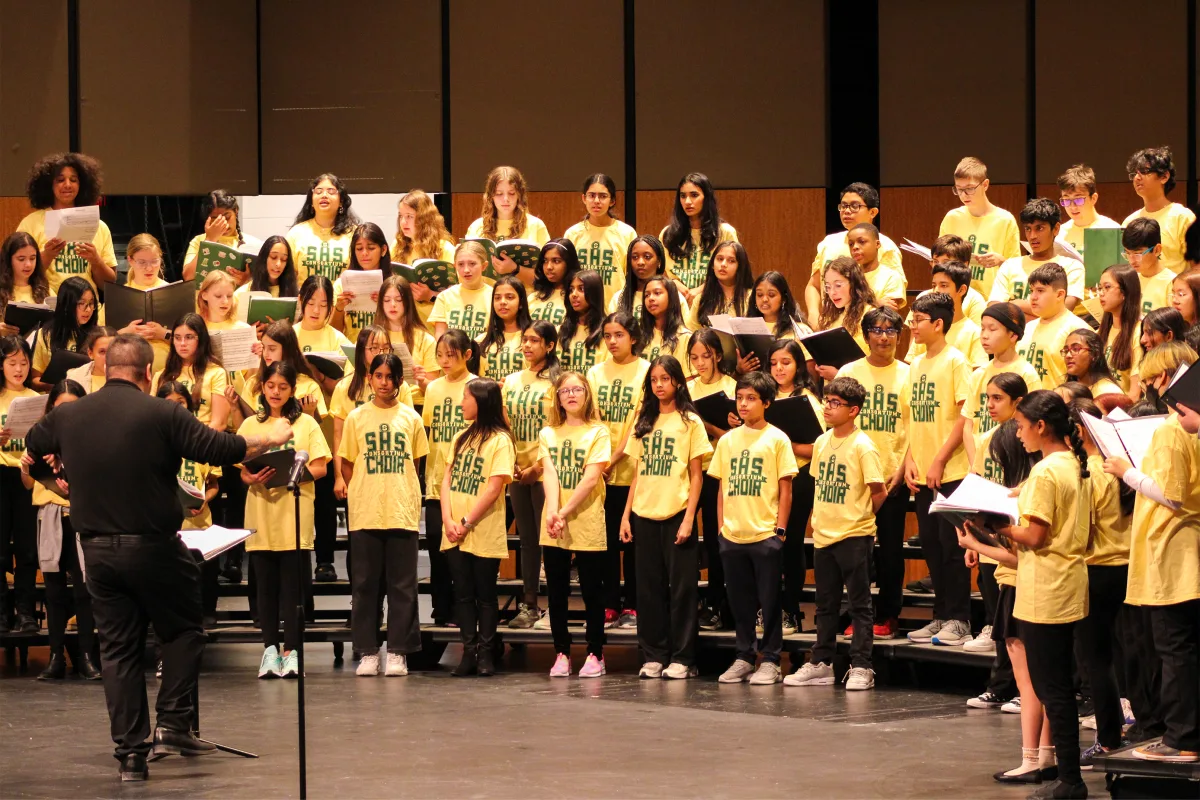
{"x": 592, "y": 668}
{"x": 562, "y": 667}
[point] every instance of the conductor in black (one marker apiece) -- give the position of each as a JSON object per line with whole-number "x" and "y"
{"x": 120, "y": 450}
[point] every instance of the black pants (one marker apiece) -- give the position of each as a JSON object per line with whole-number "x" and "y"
{"x": 939, "y": 545}
{"x": 668, "y": 617}
{"x": 134, "y": 580}
{"x": 1143, "y": 670}
{"x": 276, "y": 575}
{"x": 795, "y": 567}
{"x": 441, "y": 588}
{"x": 889, "y": 554}
{"x": 18, "y": 541}
{"x": 848, "y": 563}
{"x": 1094, "y": 648}
{"x": 325, "y": 519}
{"x": 752, "y": 573}
{"x": 619, "y": 597}
{"x": 591, "y": 565}
{"x": 1177, "y": 639}
{"x": 527, "y": 503}
{"x": 230, "y": 510}
{"x": 59, "y": 597}
{"x": 1001, "y": 682}
{"x": 714, "y": 596}
{"x": 1048, "y": 651}
{"x": 390, "y": 556}
{"x": 475, "y": 608}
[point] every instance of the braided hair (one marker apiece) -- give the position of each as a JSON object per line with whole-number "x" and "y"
{"x": 1061, "y": 421}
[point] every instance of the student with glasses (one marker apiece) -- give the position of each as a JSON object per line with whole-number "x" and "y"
{"x": 1152, "y": 172}
{"x": 991, "y": 230}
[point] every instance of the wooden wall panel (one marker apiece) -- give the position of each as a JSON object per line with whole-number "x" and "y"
{"x": 355, "y": 93}
{"x": 941, "y": 98}
{"x": 1117, "y": 64}
{"x": 552, "y": 105}
{"x": 12, "y": 211}
{"x": 733, "y": 90}
{"x": 559, "y": 210}
{"x": 33, "y": 87}
{"x": 169, "y": 95}
{"x": 916, "y": 212}
{"x": 1117, "y": 200}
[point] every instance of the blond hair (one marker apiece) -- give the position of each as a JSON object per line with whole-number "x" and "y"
{"x": 430, "y": 229}
{"x": 558, "y": 415}
{"x": 971, "y": 168}
{"x": 520, "y": 214}
{"x": 143, "y": 241}
{"x": 473, "y": 247}
{"x": 1080, "y": 178}
{"x": 211, "y": 280}
{"x": 1165, "y": 358}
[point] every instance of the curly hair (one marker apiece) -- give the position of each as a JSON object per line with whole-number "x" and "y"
{"x": 861, "y": 296}
{"x": 520, "y": 214}
{"x": 40, "y": 188}
{"x": 430, "y": 229}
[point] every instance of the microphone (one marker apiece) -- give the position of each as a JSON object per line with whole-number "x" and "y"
{"x": 297, "y": 469}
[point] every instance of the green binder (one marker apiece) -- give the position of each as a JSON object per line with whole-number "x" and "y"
{"x": 1101, "y": 250}
{"x": 213, "y": 257}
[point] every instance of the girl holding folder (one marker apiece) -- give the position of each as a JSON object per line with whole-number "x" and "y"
{"x": 74, "y": 317}
{"x": 396, "y": 312}
{"x": 22, "y": 276}
{"x": 18, "y": 526}
{"x": 368, "y": 253}
{"x": 421, "y": 233}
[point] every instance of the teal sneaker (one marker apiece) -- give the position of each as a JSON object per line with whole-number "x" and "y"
{"x": 271, "y": 665}
{"x": 291, "y": 666}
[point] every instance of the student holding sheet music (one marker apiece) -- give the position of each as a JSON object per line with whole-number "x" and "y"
{"x": 61, "y": 181}
{"x": 555, "y": 268}
{"x": 144, "y": 256}
{"x": 74, "y": 317}
{"x": 991, "y": 231}
{"x": 1083, "y": 355}
{"x": 320, "y": 236}
{"x": 662, "y": 322}
{"x": 222, "y": 225}
{"x": 644, "y": 260}
{"x": 954, "y": 280}
{"x": 501, "y": 352}
{"x": 192, "y": 364}
{"x": 505, "y": 215}
{"x": 271, "y": 514}
{"x": 369, "y": 259}
{"x": 773, "y": 301}
{"x": 279, "y": 344}
{"x": 1120, "y": 296}
{"x": 272, "y": 271}
{"x": 18, "y": 526}
{"x": 314, "y": 333}
{"x": 952, "y": 248}
{"x": 728, "y": 286}
{"x": 421, "y": 233}
{"x": 580, "y": 337}
{"x": 601, "y": 240}
{"x": 465, "y": 306}
{"x": 847, "y": 297}
{"x": 693, "y": 232}
{"x": 91, "y": 375}
{"x": 397, "y": 313}
{"x": 1152, "y": 172}
{"x": 22, "y": 277}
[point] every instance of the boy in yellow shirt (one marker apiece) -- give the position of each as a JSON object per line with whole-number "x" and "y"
{"x": 953, "y": 248}
{"x": 1039, "y": 221}
{"x": 755, "y": 465}
{"x": 954, "y": 279}
{"x": 890, "y": 285}
{"x": 850, "y": 491}
{"x": 1142, "y": 240}
{"x": 1077, "y": 195}
{"x": 1045, "y": 336}
{"x": 1152, "y": 172}
{"x": 991, "y": 231}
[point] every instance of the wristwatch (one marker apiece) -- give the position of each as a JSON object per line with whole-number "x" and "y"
{"x": 781, "y": 531}
{"x": 470, "y": 526}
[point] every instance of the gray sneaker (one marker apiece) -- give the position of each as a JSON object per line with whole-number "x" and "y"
{"x": 789, "y": 624}
{"x": 860, "y": 678}
{"x": 811, "y": 675}
{"x": 737, "y": 672}
{"x": 925, "y": 635}
{"x": 767, "y": 674}
{"x": 527, "y": 616}
{"x": 955, "y": 633}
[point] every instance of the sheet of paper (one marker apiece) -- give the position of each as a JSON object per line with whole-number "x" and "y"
{"x": 1064, "y": 248}
{"x": 1117, "y": 414}
{"x": 211, "y": 542}
{"x": 73, "y": 224}
{"x": 23, "y": 414}
{"x": 1136, "y": 434}
{"x": 721, "y": 322}
{"x": 917, "y": 249}
{"x": 362, "y": 282}
{"x": 406, "y": 361}
{"x": 1104, "y": 434}
{"x": 750, "y": 326}
{"x": 978, "y": 494}
{"x": 234, "y": 348}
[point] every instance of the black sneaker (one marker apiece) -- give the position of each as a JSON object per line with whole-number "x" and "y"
{"x": 987, "y": 700}
{"x": 922, "y": 586}
{"x": 710, "y": 620}
{"x": 1058, "y": 790}
{"x": 232, "y": 573}
{"x": 325, "y": 573}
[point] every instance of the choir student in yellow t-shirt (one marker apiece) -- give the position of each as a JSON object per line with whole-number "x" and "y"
{"x": 773, "y": 301}
{"x": 1143, "y": 249}
{"x": 644, "y": 260}
{"x": 480, "y": 464}
{"x": 1039, "y": 222}
{"x": 953, "y": 279}
{"x": 380, "y": 445}
{"x": 73, "y": 319}
{"x": 573, "y": 450}
{"x": 396, "y": 312}
{"x": 1120, "y": 296}
{"x": 1078, "y": 197}
{"x": 990, "y": 230}
{"x": 368, "y": 253}
{"x": 662, "y": 322}
{"x": 847, "y": 298}
{"x": 694, "y": 231}
{"x": 506, "y": 215}
{"x": 890, "y": 286}
{"x": 600, "y": 239}
{"x": 580, "y": 337}
{"x": 500, "y": 348}
{"x": 667, "y": 447}
{"x": 191, "y": 363}
{"x": 1185, "y": 296}
{"x": 144, "y": 256}
{"x": 221, "y": 226}
{"x": 1046, "y": 335}
{"x": 1083, "y": 354}
{"x": 22, "y": 277}
{"x": 61, "y": 181}
{"x": 728, "y": 286}
{"x": 1152, "y": 172}
{"x": 314, "y": 333}
{"x": 273, "y": 271}
{"x": 215, "y": 303}
{"x": 320, "y": 236}
{"x": 421, "y": 233}
{"x": 552, "y": 276}
{"x": 465, "y": 305}
{"x": 20, "y": 523}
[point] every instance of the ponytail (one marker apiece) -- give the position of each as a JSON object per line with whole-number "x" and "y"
{"x": 1061, "y": 421}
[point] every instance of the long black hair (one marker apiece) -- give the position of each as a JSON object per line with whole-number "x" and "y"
{"x": 629, "y": 322}
{"x": 647, "y": 416}
{"x": 1007, "y": 451}
{"x": 789, "y": 314}
{"x": 712, "y": 294}
{"x": 678, "y": 235}
{"x": 489, "y": 419}
{"x": 672, "y": 316}
{"x": 345, "y": 220}
{"x": 551, "y": 366}
{"x": 10, "y": 345}
{"x": 61, "y": 329}
{"x": 493, "y": 336}
{"x": 591, "y": 319}
{"x": 291, "y": 410}
{"x": 168, "y": 388}
{"x": 1099, "y": 368}
{"x": 631, "y": 278}
{"x": 65, "y": 386}
{"x": 802, "y": 380}
{"x": 200, "y": 362}
{"x": 542, "y": 285}
{"x": 281, "y": 332}
{"x": 1046, "y": 406}
{"x": 375, "y": 235}
{"x": 359, "y": 379}
{"x": 708, "y": 337}
{"x": 313, "y": 284}
{"x": 458, "y": 341}
{"x": 1121, "y": 358}
{"x": 395, "y": 367}
{"x": 260, "y": 280}
{"x": 608, "y": 183}
{"x": 1165, "y": 321}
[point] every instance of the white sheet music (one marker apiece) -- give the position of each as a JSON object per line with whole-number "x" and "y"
{"x": 234, "y": 348}
{"x": 23, "y": 414}
{"x": 362, "y": 282}
{"x": 750, "y": 326}
{"x": 73, "y": 224}
{"x": 211, "y": 542}
{"x": 917, "y": 249}
{"x": 979, "y": 494}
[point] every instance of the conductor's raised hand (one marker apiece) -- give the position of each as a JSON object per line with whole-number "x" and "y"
{"x": 280, "y": 431}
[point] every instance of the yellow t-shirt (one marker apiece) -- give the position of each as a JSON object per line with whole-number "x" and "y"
{"x": 499, "y": 361}
{"x": 271, "y": 512}
{"x": 340, "y": 404}
{"x": 442, "y": 414}
{"x": 317, "y": 251}
{"x": 224, "y": 325}
{"x": 963, "y": 336}
{"x": 424, "y": 355}
{"x": 834, "y": 246}
{"x": 844, "y": 469}
{"x": 42, "y": 352}
{"x": 938, "y": 384}
{"x": 553, "y": 309}
{"x": 445, "y": 253}
{"x": 1052, "y": 584}
{"x": 1073, "y": 234}
{"x": 87, "y": 378}
{"x": 1173, "y": 221}
{"x": 617, "y": 389}
{"x": 972, "y": 306}
{"x": 1156, "y": 290}
{"x": 535, "y": 230}
{"x": 663, "y": 457}
{"x": 212, "y": 384}
{"x": 1164, "y": 546}
{"x": 69, "y": 262}
{"x": 887, "y": 284}
{"x": 196, "y": 474}
{"x": 251, "y": 393}
{"x": 527, "y": 401}
{"x": 984, "y": 465}
{"x": 463, "y": 309}
{"x": 1108, "y": 541}
{"x": 994, "y": 232}
{"x": 384, "y": 445}
{"x": 885, "y": 414}
{"x": 161, "y": 347}
{"x": 604, "y": 250}
{"x": 750, "y": 463}
{"x": 614, "y": 303}
{"x": 655, "y": 348}
{"x": 691, "y": 271}
{"x": 1043, "y": 343}
{"x": 576, "y": 356}
{"x": 11, "y": 452}
{"x": 975, "y": 409}
{"x": 572, "y": 448}
{"x": 726, "y": 384}
{"x": 325, "y": 339}
{"x": 469, "y": 475}
{"x": 1012, "y": 278}
{"x": 1125, "y": 376}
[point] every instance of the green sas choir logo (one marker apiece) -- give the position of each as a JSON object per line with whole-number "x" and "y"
{"x": 447, "y": 421}
{"x": 925, "y": 404}
{"x": 992, "y": 470}
{"x": 527, "y": 413}
{"x": 387, "y": 452}
{"x": 977, "y": 249}
{"x": 692, "y": 269}
{"x": 328, "y": 260}
{"x": 615, "y": 401}
{"x": 548, "y": 311}
{"x": 983, "y": 420}
{"x": 658, "y": 455}
{"x": 189, "y": 473}
{"x": 467, "y": 475}
{"x": 746, "y": 477}
{"x": 831, "y": 481}
{"x": 468, "y": 320}
{"x": 70, "y": 262}
{"x": 12, "y": 445}
{"x": 568, "y": 463}
{"x": 1035, "y": 355}
{"x": 580, "y": 357}
{"x": 503, "y": 360}
{"x": 357, "y": 320}
{"x": 599, "y": 259}
{"x": 881, "y": 411}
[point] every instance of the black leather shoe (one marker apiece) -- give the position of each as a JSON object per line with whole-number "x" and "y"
{"x": 27, "y": 624}
{"x": 469, "y": 664}
{"x": 86, "y": 668}
{"x": 1031, "y": 777}
{"x": 56, "y": 670}
{"x": 487, "y": 662}
{"x": 1058, "y": 790}
{"x": 232, "y": 573}
{"x": 180, "y": 743}
{"x": 325, "y": 573}
{"x": 133, "y": 768}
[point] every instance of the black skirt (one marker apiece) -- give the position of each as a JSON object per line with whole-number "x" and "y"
{"x": 1005, "y": 625}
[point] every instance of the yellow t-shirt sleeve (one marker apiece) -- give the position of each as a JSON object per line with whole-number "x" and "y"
{"x": 420, "y": 442}
{"x": 716, "y": 468}
{"x": 1038, "y": 499}
{"x": 441, "y": 309}
{"x": 349, "y": 446}
{"x": 785, "y": 460}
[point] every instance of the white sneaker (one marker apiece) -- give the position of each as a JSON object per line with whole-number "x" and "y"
{"x": 983, "y": 643}
{"x": 1088, "y": 722}
{"x": 738, "y": 671}
{"x": 368, "y": 667}
{"x": 767, "y": 674}
{"x": 811, "y": 675}
{"x": 680, "y": 672}
{"x": 543, "y": 622}
{"x": 271, "y": 665}
{"x": 859, "y": 678}
{"x": 1012, "y": 706}
{"x": 925, "y": 634}
{"x": 651, "y": 669}
{"x": 397, "y": 665}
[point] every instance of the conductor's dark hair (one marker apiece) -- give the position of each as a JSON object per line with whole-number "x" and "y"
{"x": 40, "y": 187}
{"x": 130, "y": 352}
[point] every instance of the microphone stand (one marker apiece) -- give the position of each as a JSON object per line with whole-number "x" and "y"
{"x": 300, "y": 647}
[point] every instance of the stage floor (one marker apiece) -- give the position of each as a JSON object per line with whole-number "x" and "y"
{"x": 520, "y": 734}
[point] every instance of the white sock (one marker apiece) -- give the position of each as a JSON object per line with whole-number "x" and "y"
{"x": 1029, "y": 762}
{"x": 1046, "y": 756}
